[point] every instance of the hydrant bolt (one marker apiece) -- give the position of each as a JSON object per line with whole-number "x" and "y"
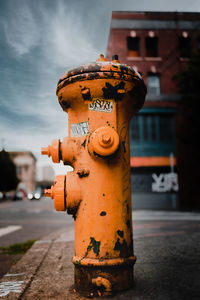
{"x": 106, "y": 139}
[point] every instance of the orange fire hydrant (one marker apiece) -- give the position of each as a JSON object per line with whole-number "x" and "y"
{"x": 100, "y": 99}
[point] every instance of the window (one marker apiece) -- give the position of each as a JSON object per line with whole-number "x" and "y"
{"x": 151, "y": 46}
{"x": 133, "y": 45}
{"x": 185, "y": 47}
{"x": 153, "y": 83}
{"x": 152, "y": 134}
{"x": 18, "y": 171}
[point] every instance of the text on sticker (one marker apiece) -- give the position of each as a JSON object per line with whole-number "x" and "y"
{"x": 101, "y": 105}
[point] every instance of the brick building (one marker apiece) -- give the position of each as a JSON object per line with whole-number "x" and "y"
{"x": 157, "y": 45}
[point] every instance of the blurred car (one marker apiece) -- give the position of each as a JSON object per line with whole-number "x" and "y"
{"x": 34, "y": 196}
{"x": 18, "y": 196}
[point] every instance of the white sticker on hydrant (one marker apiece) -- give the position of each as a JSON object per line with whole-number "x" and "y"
{"x": 101, "y": 105}
{"x": 79, "y": 129}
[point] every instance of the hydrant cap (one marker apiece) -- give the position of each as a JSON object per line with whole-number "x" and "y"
{"x": 100, "y": 69}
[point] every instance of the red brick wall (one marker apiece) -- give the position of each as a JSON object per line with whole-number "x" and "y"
{"x": 169, "y": 62}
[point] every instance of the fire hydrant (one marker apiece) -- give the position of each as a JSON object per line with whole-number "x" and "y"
{"x": 100, "y": 99}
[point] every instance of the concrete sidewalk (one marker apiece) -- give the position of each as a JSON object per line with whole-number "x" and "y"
{"x": 167, "y": 267}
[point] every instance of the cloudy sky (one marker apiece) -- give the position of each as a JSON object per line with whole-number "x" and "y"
{"x": 39, "y": 41}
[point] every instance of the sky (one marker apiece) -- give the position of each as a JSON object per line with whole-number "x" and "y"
{"x": 41, "y": 40}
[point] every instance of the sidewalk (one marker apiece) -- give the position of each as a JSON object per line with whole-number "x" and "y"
{"x": 167, "y": 267}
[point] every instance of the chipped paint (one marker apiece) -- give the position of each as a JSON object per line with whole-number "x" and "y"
{"x": 122, "y": 247}
{"x": 94, "y": 245}
{"x": 103, "y": 213}
{"x": 110, "y": 91}
{"x": 120, "y": 233}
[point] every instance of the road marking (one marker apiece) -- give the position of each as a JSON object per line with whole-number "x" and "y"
{"x": 42, "y": 241}
{"x": 9, "y": 229}
{"x": 158, "y": 234}
{"x": 10, "y": 286}
{"x": 142, "y": 215}
{"x": 10, "y": 275}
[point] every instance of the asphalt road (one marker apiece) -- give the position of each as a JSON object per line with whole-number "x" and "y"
{"x": 166, "y": 245}
{"x": 21, "y": 221}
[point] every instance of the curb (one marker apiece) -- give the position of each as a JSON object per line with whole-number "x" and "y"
{"x": 24, "y": 279}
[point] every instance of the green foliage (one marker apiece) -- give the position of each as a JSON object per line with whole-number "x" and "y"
{"x": 8, "y": 177}
{"x": 19, "y": 248}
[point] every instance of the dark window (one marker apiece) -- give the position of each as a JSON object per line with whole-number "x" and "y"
{"x": 133, "y": 45}
{"x": 135, "y": 127}
{"x": 153, "y": 83}
{"x": 166, "y": 128}
{"x": 151, "y": 46}
{"x": 152, "y": 134}
{"x": 185, "y": 46}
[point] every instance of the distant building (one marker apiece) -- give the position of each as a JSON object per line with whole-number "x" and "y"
{"x": 46, "y": 178}
{"x": 25, "y": 163}
{"x": 48, "y": 174}
{"x": 158, "y": 46}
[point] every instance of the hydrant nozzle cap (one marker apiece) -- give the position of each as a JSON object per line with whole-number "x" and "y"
{"x": 101, "y": 58}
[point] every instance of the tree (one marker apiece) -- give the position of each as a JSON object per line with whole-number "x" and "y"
{"x": 188, "y": 124}
{"x": 8, "y": 177}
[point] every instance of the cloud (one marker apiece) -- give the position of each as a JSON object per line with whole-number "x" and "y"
{"x": 40, "y": 41}
{"x": 66, "y": 43}
{"x": 21, "y": 30}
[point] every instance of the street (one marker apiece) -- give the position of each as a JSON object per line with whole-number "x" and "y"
{"x": 26, "y": 220}
{"x": 34, "y": 219}
{"x": 166, "y": 245}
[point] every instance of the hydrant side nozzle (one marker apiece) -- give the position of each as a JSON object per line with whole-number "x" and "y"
{"x": 46, "y": 151}
{"x": 52, "y": 150}
{"x": 68, "y": 151}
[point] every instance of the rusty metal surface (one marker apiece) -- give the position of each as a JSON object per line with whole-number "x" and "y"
{"x": 101, "y": 67}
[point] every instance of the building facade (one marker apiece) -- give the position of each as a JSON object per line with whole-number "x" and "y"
{"x": 158, "y": 46}
{"x": 25, "y": 163}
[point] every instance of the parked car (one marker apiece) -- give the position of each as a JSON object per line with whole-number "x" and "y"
{"x": 18, "y": 196}
{"x": 34, "y": 196}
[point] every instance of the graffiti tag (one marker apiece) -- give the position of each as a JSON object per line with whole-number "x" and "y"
{"x": 101, "y": 105}
{"x": 165, "y": 182}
